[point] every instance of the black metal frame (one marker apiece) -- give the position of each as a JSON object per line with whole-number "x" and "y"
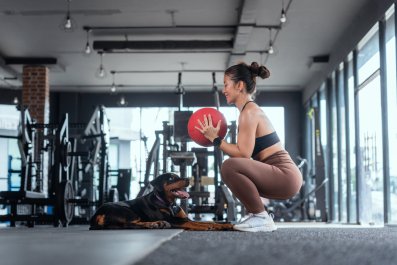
{"x": 338, "y": 101}
{"x": 385, "y": 121}
{"x": 330, "y": 150}
{"x": 359, "y": 174}
{"x": 347, "y": 141}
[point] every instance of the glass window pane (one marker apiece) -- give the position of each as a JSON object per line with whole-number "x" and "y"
{"x": 371, "y": 149}
{"x": 368, "y": 60}
{"x": 323, "y": 119}
{"x": 322, "y": 195}
{"x": 334, "y": 154}
{"x": 10, "y": 158}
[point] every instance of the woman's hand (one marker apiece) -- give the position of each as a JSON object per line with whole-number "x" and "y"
{"x": 207, "y": 129}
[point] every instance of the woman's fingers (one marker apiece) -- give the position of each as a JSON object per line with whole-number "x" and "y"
{"x": 206, "y": 120}
{"x": 210, "y": 119}
{"x": 218, "y": 126}
{"x": 201, "y": 124}
{"x": 200, "y": 130}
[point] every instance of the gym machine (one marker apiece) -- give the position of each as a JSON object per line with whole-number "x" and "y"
{"x": 91, "y": 171}
{"x": 163, "y": 143}
{"x": 27, "y": 204}
{"x": 78, "y": 172}
{"x": 224, "y": 201}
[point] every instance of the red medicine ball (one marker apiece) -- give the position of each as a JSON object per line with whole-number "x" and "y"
{"x": 196, "y": 135}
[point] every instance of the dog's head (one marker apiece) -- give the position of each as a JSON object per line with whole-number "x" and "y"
{"x": 170, "y": 186}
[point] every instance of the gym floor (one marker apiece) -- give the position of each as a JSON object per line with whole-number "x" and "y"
{"x": 292, "y": 243}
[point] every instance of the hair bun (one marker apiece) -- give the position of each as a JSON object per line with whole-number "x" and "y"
{"x": 260, "y": 71}
{"x": 254, "y": 68}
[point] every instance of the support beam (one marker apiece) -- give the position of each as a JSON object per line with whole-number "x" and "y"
{"x": 110, "y": 46}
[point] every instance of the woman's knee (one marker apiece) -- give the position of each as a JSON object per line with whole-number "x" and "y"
{"x": 228, "y": 169}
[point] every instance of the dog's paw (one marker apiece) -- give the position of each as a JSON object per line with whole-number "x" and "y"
{"x": 165, "y": 224}
{"x": 160, "y": 224}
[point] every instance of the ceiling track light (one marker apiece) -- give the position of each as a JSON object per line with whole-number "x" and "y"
{"x": 87, "y": 49}
{"x": 68, "y": 24}
{"x": 283, "y": 17}
{"x": 113, "y": 88}
{"x": 101, "y": 71}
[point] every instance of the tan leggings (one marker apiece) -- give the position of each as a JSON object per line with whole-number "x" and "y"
{"x": 277, "y": 177}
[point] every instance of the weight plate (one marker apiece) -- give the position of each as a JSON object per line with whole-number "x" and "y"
{"x": 65, "y": 210}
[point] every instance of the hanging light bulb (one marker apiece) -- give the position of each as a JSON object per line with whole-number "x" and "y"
{"x": 122, "y": 101}
{"x": 283, "y": 17}
{"x": 87, "y": 49}
{"x": 16, "y": 101}
{"x": 113, "y": 87}
{"x": 68, "y": 24}
{"x": 101, "y": 72}
{"x": 271, "y": 49}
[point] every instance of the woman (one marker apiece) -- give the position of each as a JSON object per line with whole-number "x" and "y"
{"x": 271, "y": 173}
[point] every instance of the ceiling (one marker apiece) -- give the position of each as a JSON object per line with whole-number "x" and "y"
{"x": 213, "y": 35}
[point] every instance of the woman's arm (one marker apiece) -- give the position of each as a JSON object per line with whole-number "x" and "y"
{"x": 245, "y": 138}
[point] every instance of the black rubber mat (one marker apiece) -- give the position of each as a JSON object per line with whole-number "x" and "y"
{"x": 286, "y": 246}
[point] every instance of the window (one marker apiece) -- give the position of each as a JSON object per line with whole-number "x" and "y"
{"x": 334, "y": 176}
{"x": 10, "y": 157}
{"x": 370, "y": 126}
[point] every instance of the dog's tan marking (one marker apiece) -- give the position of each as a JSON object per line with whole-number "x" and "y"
{"x": 100, "y": 219}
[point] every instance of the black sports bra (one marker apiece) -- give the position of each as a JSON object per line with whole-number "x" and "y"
{"x": 264, "y": 142}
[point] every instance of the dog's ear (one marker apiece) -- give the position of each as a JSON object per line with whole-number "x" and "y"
{"x": 159, "y": 181}
{"x": 156, "y": 183}
{"x": 149, "y": 188}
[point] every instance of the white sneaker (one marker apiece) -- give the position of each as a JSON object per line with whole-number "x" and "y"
{"x": 255, "y": 223}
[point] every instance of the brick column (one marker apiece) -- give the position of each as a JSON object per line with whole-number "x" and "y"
{"x": 36, "y": 92}
{"x": 36, "y": 97}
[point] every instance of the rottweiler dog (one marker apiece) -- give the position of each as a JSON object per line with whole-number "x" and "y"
{"x": 156, "y": 209}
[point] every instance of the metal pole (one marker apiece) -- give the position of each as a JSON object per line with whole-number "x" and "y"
{"x": 347, "y": 132}
{"x": 339, "y": 95}
{"x": 359, "y": 162}
{"x": 385, "y": 120}
{"x": 331, "y": 188}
